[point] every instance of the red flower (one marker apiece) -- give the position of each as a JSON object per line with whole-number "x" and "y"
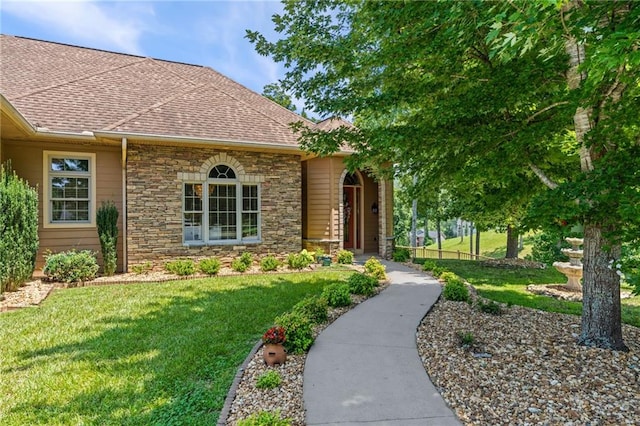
{"x": 274, "y": 335}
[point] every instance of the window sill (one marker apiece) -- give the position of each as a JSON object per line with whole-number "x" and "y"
{"x": 221, "y": 243}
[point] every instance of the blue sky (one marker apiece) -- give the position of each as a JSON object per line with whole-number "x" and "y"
{"x": 207, "y": 33}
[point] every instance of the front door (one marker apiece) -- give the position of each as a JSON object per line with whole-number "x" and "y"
{"x": 351, "y": 214}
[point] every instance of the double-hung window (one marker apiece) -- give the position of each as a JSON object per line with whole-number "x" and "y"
{"x": 69, "y": 190}
{"x": 221, "y": 210}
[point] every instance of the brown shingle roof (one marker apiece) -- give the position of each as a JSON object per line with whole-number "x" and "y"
{"x": 76, "y": 89}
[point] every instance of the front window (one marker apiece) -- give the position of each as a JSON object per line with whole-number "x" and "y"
{"x": 229, "y": 213}
{"x": 70, "y": 180}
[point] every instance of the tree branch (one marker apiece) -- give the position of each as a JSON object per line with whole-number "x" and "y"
{"x": 543, "y": 177}
{"x": 545, "y": 109}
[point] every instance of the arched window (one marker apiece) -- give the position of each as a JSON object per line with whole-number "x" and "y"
{"x": 222, "y": 209}
{"x": 351, "y": 179}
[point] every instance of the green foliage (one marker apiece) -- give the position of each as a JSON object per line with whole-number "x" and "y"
{"x": 489, "y": 307}
{"x": 437, "y": 271}
{"x": 71, "y": 266}
{"x": 265, "y": 418}
{"x": 107, "y": 224}
{"x": 448, "y": 276}
{"x": 269, "y": 263}
{"x": 18, "y": 228}
{"x": 314, "y": 308}
{"x": 142, "y": 268}
{"x": 345, "y": 257}
{"x": 300, "y": 260}
{"x": 546, "y": 248}
{"x": 362, "y": 284}
{"x": 243, "y": 263}
{"x": 270, "y": 379}
{"x": 210, "y": 266}
{"x": 401, "y": 255}
{"x": 428, "y": 265}
{"x": 455, "y": 290}
{"x": 181, "y": 267}
{"x": 466, "y": 339}
{"x": 337, "y": 294}
{"x": 630, "y": 266}
{"x": 374, "y": 268}
{"x": 299, "y": 332}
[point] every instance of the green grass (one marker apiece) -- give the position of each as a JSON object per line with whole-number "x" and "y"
{"x": 492, "y": 244}
{"x": 139, "y": 354}
{"x": 509, "y": 286}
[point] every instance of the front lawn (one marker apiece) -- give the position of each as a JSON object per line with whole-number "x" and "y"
{"x": 139, "y": 354}
{"x": 509, "y": 286}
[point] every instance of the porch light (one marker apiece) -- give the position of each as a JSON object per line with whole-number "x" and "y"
{"x": 374, "y": 208}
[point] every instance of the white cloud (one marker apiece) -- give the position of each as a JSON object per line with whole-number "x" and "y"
{"x": 106, "y": 25}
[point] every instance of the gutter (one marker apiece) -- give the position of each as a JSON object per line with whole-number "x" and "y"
{"x": 125, "y": 265}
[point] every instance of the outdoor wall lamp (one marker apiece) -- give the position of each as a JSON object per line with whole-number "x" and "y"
{"x": 374, "y": 208}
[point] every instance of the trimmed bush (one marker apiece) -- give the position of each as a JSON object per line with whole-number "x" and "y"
{"x": 429, "y": 265}
{"x": 362, "y": 284}
{"x": 210, "y": 266}
{"x": 265, "y": 418}
{"x": 447, "y": 276}
{"x": 71, "y": 266}
{"x": 456, "y": 290}
{"x": 182, "y": 267}
{"x": 401, "y": 255}
{"x": 107, "y": 224}
{"x": 345, "y": 257}
{"x": 337, "y": 294}
{"x": 376, "y": 269}
{"x": 300, "y": 260}
{"x": 437, "y": 271}
{"x": 269, "y": 263}
{"x": 142, "y": 268}
{"x": 269, "y": 380}
{"x": 489, "y": 307}
{"x": 299, "y": 332}
{"x": 314, "y": 308}
{"x": 18, "y": 228}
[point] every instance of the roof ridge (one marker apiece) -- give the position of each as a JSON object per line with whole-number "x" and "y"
{"x": 156, "y": 105}
{"x": 84, "y": 77}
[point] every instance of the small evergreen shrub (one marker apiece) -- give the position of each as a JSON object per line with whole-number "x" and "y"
{"x": 318, "y": 254}
{"x": 269, "y": 263}
{"x": 210, "y": 266}
{"x": 374, "y": 268}
{"x": 299, "y": 332}
{"x": 142, "y": 268}
{"x": 489, "y": 307}
{"x": 447, "y": 276}
{"x": 265, "y": 418}
{"x": 345, "y": 257}
{"x": 429, "y": 265}
{"x": 456, "y": 291}
{"x": 314, "y": 308}
{"x": 299, "y": 260}
{"x": 239, "y": 266}
{"x": 337, "y": 294}
{"x": 362, "y": 284}
{"x": 18, "y": 229}
{"x": 71, "y": 266}
{"x": 269, "y": 380}
{"x": 107, "y": 224}
{"x": 401, "y": 255}
{"x": 437, "y": 271}
{"x": 182, "y": 267}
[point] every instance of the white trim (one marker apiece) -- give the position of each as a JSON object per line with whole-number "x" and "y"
{"x": 46, "y": 190}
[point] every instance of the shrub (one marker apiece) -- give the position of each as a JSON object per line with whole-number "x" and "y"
{"x": 465, "y": 339}
{"x": 401, "y": 255}
{"x": 362, "y": 284}
{"x": 314, "y": 308}
{"x": 269, "y": 263}
{"x": 18, "y": 228}
{"x": 265, "y": 418}
{"x": 210, "y": 266}
{"x": 345, "y": 257}
{"x": 337, "y": 294}
{"x": 447, "y": 276}
{"x": 239, "y": 266}
{"x": 374, "y": 268}
{"x": 142, "y": 268}
{"x": 300, "y": 260}
{"x": 547, "y": 247}
{"x": 269, "y": 380}
{"x": 429, "y": 265}
{"x": 71, "y": 266}
{"x": 489, "y": 307}
{"x": 437, "y": 271}
{"x": 181, "y": 267}
{"x": 456, "y": 291}
{"x": 318, "y": 254}
{"x": 299, "y": 332}
{"x": 107, "y": 224}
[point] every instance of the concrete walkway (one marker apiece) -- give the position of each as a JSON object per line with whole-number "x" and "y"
{"x": 365, "y": 369}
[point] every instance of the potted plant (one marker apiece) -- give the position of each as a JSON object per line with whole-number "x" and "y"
{"x": 273, "y": 350}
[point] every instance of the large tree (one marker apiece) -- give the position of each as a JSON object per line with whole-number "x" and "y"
{"x": 442, "y": 87}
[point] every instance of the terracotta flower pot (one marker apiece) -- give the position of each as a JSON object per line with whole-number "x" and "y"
{"x": 274, "y": 354}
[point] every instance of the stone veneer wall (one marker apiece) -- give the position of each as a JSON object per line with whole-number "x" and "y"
{"x": 154, "y": 202}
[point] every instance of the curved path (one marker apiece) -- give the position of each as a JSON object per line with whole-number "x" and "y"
{"x": 365, "y": 369}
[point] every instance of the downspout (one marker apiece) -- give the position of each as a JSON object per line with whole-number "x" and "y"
{"x": 125, "y": 266}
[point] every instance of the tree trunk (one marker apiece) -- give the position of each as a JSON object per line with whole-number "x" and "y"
{"x": 601, "y": 316}
{"x": 477, "y": 243}
{"x": 471, "y": 238}
{"x": 512, "y": 243}
{"x": 438, "y": 236}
